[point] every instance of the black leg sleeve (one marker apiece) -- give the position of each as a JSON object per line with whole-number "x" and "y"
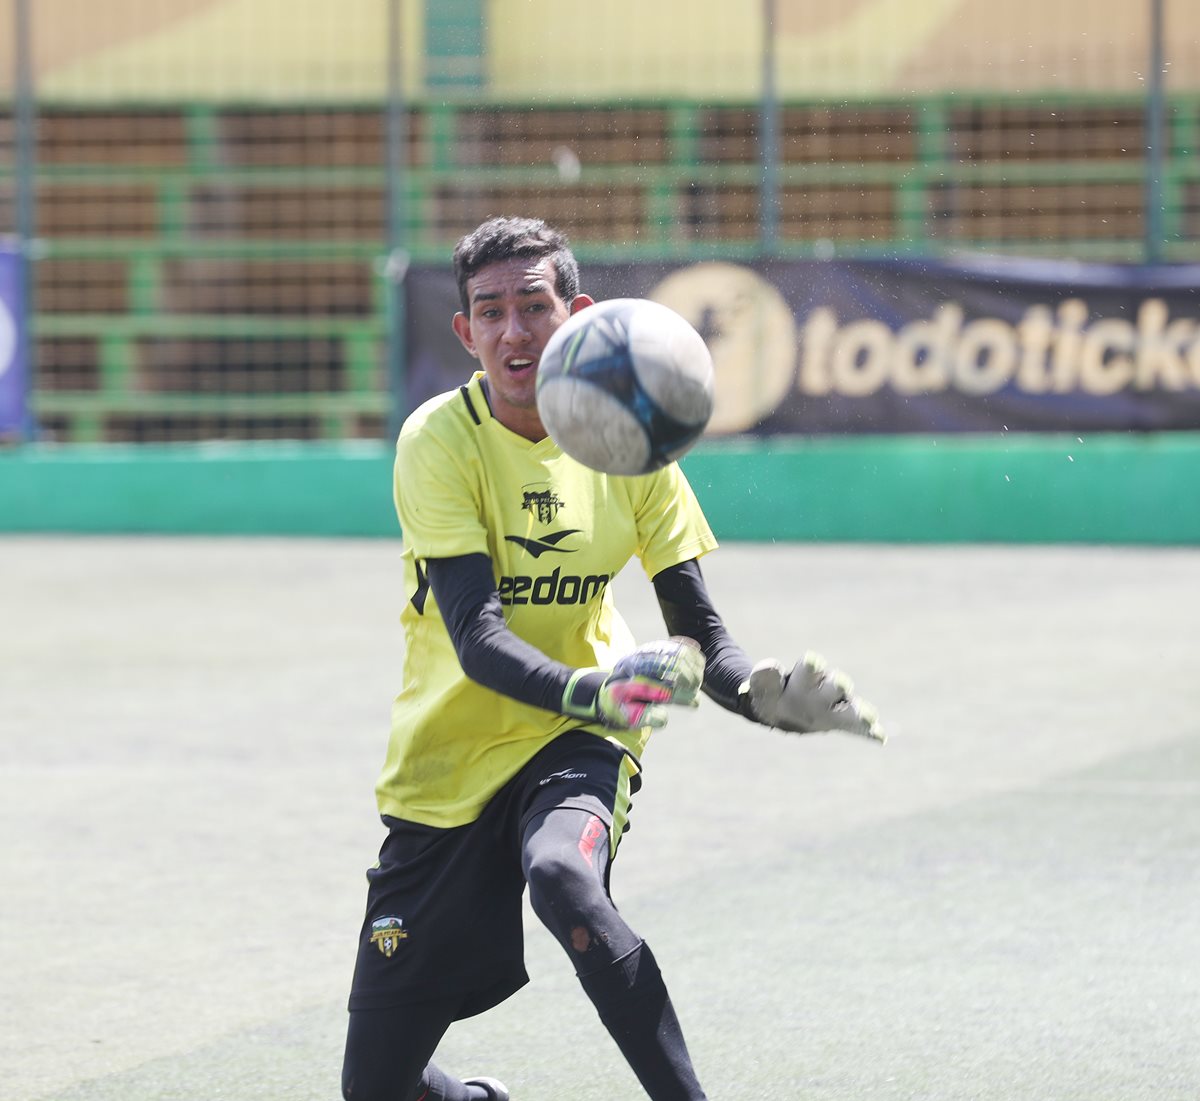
{"x": 616, "y": 969}
{"x": 388, "y": 1052}
{"x": 567, "y": 889}
{"x": 632, "y": 1001}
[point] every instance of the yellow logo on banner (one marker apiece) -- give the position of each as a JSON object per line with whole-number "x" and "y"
{"x": 750, "y": 332}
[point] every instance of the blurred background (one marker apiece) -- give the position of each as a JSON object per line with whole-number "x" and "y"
{"x": 231, "y": 219}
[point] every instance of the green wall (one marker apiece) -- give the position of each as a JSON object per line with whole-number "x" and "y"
{"x": 1119, "y": 488}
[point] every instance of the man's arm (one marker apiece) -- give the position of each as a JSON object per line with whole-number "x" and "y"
{"x": 631, "y": 694}
{"x": 488, "y": 651}
{"x": 806, "y": 699}
{"x": 688, "y": 611}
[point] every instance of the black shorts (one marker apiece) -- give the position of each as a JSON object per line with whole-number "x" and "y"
{"x": 444, "y": 913}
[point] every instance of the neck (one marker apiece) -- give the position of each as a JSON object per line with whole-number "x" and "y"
{"x": 520, "y": 421}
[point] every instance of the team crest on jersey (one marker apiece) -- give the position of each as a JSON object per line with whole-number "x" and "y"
{"x": 387, "y": 933}
{"x": 540, "y": 499}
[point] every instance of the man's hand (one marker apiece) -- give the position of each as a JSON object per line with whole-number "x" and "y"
{"x": 635, "y": 692}
{"x": 809, "y": 699}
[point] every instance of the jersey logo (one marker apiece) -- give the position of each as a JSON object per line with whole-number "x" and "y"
{"x": 538, "y": 547}
{"x": 551, "y": 588}
{"x": 543, "y": 503}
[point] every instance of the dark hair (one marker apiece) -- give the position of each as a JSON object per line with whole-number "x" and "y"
{"x": 506, "y": 238}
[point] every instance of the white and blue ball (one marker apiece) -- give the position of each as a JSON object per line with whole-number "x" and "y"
{"x": 625, "y": 386}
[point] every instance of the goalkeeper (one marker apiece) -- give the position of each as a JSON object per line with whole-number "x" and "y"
{"x": 517, "y": 737}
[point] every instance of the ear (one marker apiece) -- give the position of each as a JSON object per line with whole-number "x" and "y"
{"x": 581, "y": 302}
{"x": 462, "y": 329}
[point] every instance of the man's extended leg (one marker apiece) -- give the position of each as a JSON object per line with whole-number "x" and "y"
{"x": 565, "y": 855}
{"x": 388, "y": 1052}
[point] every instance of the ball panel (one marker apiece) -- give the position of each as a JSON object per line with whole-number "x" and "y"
{"x": 672, "y": 362}
{"x": 644, "y": 386}
{"x": 593, "y": 426}
{"x": 592, "y": 342}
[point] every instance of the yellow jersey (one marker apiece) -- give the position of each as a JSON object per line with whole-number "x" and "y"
{"x": 557, "y": 534}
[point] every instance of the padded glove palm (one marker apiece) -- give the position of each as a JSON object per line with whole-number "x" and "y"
{"x": 809, "y": 699}
{"x": 635, "y": 692}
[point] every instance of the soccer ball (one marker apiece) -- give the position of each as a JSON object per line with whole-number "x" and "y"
{"x": 625, "y": 386}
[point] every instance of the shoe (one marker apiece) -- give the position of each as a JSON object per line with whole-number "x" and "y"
{"x": 496, "y": 1091}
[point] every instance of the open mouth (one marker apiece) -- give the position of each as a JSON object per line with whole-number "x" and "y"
{"x": 520, "y": 365}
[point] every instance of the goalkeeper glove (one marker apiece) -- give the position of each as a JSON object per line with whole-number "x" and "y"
{"x": 635, "y": 692}
{"x": 809, "y": 699}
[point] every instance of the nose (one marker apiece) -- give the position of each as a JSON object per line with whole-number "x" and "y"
{"x": 515, "y": 329}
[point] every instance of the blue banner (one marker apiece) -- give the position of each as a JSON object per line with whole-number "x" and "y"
{"x": 852, "y": 347}
{"x": 14, "y": 414}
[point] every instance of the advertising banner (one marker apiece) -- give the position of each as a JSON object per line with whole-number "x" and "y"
{"x": 13, "y": 388}
{"x": 902, "y": 346}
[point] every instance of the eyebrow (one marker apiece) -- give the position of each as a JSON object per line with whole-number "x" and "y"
{"x": 540, "y": 287}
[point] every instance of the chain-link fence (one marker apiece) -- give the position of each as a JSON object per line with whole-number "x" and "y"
{"x": 212, "y": 188}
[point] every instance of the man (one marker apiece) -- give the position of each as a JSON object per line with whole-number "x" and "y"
{"x": 526, "y": 705}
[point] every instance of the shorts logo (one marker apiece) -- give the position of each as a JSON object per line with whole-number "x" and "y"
{"x": 566, "y": 774}
{"x": 387, "y": 933}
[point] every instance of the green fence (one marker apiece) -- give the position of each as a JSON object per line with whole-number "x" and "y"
{"x": 215, "y": 270}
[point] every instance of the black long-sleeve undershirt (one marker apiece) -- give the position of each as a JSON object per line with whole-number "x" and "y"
{"x": 688, "y": 610}
{"x": 492, "y": 655}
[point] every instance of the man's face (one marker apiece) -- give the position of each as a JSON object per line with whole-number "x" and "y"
{"x": 514, "y": 310}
